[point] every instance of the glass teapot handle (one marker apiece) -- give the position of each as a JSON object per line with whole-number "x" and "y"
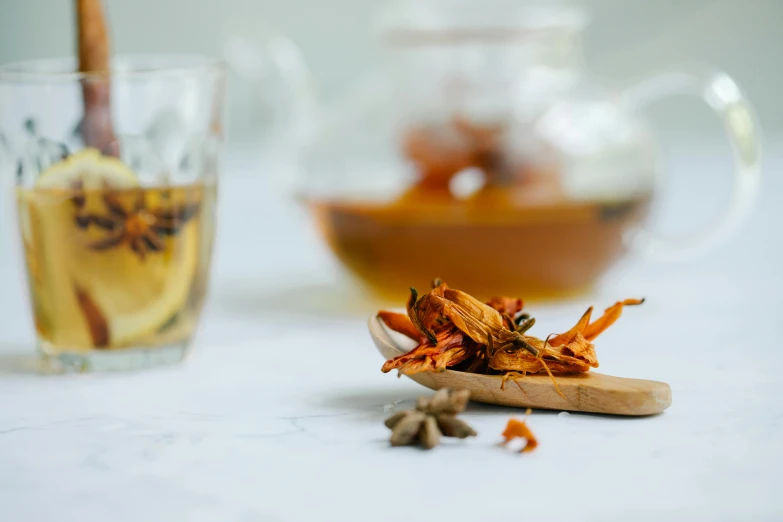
{"x": 721, "y": 93}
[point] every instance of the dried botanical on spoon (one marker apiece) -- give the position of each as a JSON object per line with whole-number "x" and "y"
{"x": 455, "y": 330}
{"x": 432, "y": 418}
{"x": 569, "y": 352}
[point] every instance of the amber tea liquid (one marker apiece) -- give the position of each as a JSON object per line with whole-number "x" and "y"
{"x": 539, "y": 250}
{"x": 115, "y": 269}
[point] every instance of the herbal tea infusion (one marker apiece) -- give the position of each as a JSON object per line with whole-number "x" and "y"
{"x": 113, "y": 265}
{"x": 116, "y": 164}
{"x": 518, "y": 231}
{"x": 482, "y": 150}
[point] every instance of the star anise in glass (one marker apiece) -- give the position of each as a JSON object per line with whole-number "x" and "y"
{"x": 141, "y": 228}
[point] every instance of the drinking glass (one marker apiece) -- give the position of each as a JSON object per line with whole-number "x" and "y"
{"x": 116, "y": 182}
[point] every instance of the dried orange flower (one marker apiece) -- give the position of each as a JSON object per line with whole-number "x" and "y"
{"x": 399, "y": 323}
{"x": 456, "y": 330}
{"x": 510, "y": 306}
{"x": 569, "y": 352}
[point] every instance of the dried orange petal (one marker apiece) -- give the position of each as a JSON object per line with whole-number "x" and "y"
{"x": 517, "y": 429}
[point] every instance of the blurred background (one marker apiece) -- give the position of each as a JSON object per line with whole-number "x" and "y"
{"x": 278, "y": 293}
{"x": 332, "y": 46}
{"x": 626, "y": 39}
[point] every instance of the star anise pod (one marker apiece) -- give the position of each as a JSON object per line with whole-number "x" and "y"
{"x": 433, "y": 417}
{"x": 141, "y": 228}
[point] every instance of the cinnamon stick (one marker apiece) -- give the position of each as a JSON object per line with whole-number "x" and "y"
{"x": 96, "y": 321}
{"x": 94, "y": 52}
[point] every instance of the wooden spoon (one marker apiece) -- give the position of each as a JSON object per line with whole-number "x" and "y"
{"x": 588, "y": 392}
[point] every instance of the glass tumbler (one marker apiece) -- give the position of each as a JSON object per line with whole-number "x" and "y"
{"x": 116, "y": 182}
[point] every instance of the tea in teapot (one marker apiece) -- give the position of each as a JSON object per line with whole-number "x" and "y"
{"x": 482, "y": 152}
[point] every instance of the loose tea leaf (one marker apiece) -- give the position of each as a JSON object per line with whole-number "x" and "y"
{"x": 433, "y": 417}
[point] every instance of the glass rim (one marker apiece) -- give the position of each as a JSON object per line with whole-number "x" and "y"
{"x": 124, "y": 66}
{"x": 489, "y": 35}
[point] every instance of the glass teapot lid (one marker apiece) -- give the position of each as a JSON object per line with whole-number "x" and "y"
{"x": 440, "y": 21}
{"x": 458, "y": 69}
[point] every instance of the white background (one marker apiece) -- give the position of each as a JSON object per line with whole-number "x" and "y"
{"x": 279, "y": 416}
{"x": 628, "y": 38}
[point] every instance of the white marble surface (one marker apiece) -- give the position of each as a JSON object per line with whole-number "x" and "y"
{"x": 279, "y": 415}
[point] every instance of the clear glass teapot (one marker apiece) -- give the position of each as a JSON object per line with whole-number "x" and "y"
{"x": 481, "y": 152}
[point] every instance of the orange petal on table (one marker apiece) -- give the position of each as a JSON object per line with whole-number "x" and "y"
{"x": 517, "y": 429}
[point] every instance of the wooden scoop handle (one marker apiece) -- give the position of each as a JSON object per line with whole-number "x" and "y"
{"x": 588, "y": 392}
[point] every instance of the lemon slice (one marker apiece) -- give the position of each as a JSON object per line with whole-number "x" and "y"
{"x": 91, "y": 168}
{"x": 137, "y": 297}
